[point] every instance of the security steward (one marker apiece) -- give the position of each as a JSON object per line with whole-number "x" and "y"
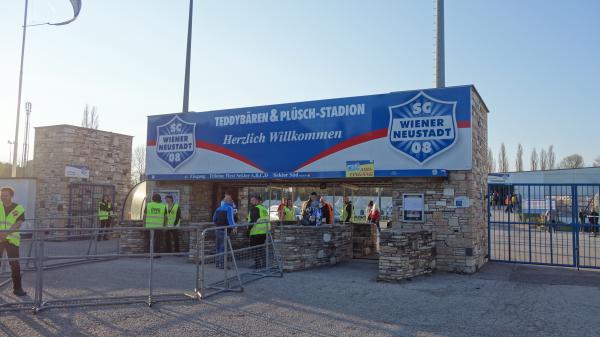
{"x": 259, "y": 215}
{"x": 105, "y": 209}
{"x": 173, "y": 220}
{"x": 155, "y": 217}
{"x": 12, "y": 216}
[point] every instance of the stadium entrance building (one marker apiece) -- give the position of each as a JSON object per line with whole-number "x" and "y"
{"x": 420, "y": 155}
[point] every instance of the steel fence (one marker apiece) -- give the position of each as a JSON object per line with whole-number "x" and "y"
{"x": 547, "y": 224}
{"x": 57, "y": 273}
{"x": 231, "y": 267}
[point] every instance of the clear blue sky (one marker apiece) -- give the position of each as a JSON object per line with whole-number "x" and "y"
{"x": 536, "y": 63}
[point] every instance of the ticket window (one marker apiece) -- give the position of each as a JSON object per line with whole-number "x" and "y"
{"x": 386, "y": 206}
{"x": 278, "y": 195}
{"x": 350, "y": 192}
{"x": 272, "y": 197}
{"x": 260, "y": 191}
{"x": 360, "y": 198}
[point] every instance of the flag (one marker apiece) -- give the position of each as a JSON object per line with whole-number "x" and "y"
{"x": 76, "y": 8}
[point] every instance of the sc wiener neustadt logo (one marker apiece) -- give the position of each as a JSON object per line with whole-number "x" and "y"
{"x": 422, "y": 127}
{"x": 176, "y": 142}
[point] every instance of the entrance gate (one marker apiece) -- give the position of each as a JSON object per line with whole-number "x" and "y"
{"x": 84, "y": 200}
{"x": 546, "y": 224}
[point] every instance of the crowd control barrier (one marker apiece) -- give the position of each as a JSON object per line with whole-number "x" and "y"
{"x": 57, "y": 271}
{"x": 242, "y": 260}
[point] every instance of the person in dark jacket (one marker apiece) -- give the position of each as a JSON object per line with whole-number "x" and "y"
{"x": 326, "y": 212}
{"x": 173, "y": 220}
{"x": 347, "y": 211}
{"x": 223, "y": 216}
{"x": 594, "y": 221}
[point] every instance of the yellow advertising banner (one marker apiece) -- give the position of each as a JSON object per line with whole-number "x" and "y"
{"x": 360, "y": 169}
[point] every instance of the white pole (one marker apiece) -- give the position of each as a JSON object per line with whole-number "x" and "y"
{"x": 10, "y": 145}
{"x": 16, "y": 142}
{"x": 440, "y": 70}
{"x": 188, "y": 60}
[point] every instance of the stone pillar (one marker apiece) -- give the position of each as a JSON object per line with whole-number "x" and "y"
{"x": 404, "y": 254}
{"x": 132, "y": 241}
{"x": 460, "y": 233}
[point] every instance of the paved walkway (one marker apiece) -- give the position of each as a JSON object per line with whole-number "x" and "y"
{"x": 501, "y": 300}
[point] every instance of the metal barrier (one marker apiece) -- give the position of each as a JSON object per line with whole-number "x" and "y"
{"x": 240, "y": 264}
{"x": 73, "y": 239}
{"x": 48, "y": 287}
{"x": 69, "y": 240}
{"x": 547, "y": 224}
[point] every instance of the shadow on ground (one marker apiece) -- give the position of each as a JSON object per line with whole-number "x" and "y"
{"x": 500, "y": 300}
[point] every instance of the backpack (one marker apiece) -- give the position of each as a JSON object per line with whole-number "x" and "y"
{"x": 221, "y": 218}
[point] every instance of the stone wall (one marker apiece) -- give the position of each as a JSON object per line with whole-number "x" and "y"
{"x": 404, "y": 255}
{"x": 106, "y": 154}
{"x": 132, "y": 241}
{"x": 238, "y": 240}
{"x": 303, "y": 247}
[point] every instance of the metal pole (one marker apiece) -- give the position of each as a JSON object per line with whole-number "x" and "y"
{"x": 202, "y": 283}
{"x": 197, "y": 256}
{"x": 188, "y": 55}
{"x": 333, "y": 206}
{"x": 267, "y": 264}
{"x": 151, "y": 271}
{"x": 225, "y": 264}
{"x": 10, "y": 146}
{"x": 16, "y": 142}
{"x": 440, "y": 70}
{"x": 25, "y": 154}
{"x": 39, "y": 284}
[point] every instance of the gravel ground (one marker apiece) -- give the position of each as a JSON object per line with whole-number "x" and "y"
{"x": 501, "y": 300}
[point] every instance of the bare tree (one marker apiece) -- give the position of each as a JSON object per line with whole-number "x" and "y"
{"x": 491, "y": 161}
{"x": 543, "y": 160}
{"x": 551, "y": 158}
{"x": 90, "y": 118}
{"x": 503, "y": 165}
{"x": 534, "y": 162}
{"x": 138, "y": 164}
{"x": 573, "y": 161}
{"x": 519, "y": 161}
{"x": 597, "y": 161}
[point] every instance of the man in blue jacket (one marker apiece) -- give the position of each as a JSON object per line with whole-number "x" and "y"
{"x": 224, "y": 216}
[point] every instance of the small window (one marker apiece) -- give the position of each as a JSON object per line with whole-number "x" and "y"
{"x": 413, "y": 207}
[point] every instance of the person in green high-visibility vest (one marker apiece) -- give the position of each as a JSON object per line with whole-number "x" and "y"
{"x": 155, "y": 217}
{"x": 105, "y": 209}
{"x": 173, "y": 220}
{"x": 289, "y": 213}
{"x": 259, "y": 215}
{"x": 12, "y": 216}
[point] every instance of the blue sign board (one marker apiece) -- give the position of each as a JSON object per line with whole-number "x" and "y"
{"x": 412, "y": 133}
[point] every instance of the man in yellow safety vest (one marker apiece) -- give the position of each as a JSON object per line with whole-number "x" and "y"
{"x": 12, "y": 216}
{"x": 155, "y": 217}
{"x": 105, "y": 209}
{"x": 173, "y": 220}
{"x": 259, "y": 215}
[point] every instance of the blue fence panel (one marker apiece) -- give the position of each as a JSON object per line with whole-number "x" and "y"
{"x": 546, "y": 224}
